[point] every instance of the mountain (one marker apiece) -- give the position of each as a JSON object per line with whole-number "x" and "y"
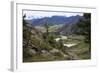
{"x": 54, "y": 20}
{"x": 68, "y": 23}
{"x": 70, "y": 27}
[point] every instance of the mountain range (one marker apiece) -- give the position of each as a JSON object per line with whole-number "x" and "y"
{"x": 54, "y": 20}
{"x": 69, "y": 23}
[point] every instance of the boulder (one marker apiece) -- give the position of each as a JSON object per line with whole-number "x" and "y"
{"x": 54, "y": 51}
{"x": 32, "y": 51}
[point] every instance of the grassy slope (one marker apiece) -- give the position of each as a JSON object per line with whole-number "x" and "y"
{"x": 52, "y": 28}
{"x": 81, "y": 50}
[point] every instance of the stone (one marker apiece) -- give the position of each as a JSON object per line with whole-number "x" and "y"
{"x": 32, "y": 51}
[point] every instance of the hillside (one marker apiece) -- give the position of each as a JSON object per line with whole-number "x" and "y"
{"x": 70, "y": 27}
{"x": 58, "y": 24}
{"x": 53, "y": 40}
{"x": 54, "y": 20}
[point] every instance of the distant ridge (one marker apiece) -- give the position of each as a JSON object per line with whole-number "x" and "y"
{"x": 54, "y": 20}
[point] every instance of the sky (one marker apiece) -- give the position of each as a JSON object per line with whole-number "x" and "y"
{"x": 40, "y": 14}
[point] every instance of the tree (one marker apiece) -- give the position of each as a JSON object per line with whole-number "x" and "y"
{"x": 84, "y": 26}
{"x": 46, "y": 26}
{"x": 24, "y": 22}
{"x": 26, "y": 32}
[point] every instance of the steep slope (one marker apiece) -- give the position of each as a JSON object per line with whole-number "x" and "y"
{"x": 69, "y": 27}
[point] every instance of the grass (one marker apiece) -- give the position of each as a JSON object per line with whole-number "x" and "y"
{"x": 52, "y": 28}
{"x": 39, "y": 58}
{"x": 81, "y": 49}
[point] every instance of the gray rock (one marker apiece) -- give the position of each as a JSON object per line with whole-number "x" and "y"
{"x": 32, "y": 51}
{"x": 54, "y": 51}
{"x": 45, "y": 53}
